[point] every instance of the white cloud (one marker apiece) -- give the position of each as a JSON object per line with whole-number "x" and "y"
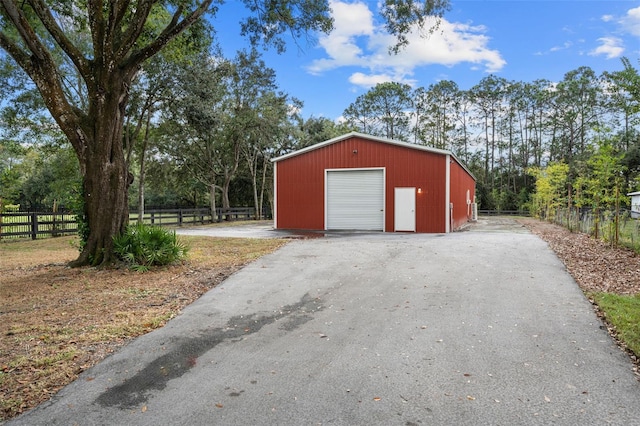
{"x": 357, "y": 42}
{"x": 370, "y": 80}
{"x": 351, "y": 18}
{"x": 451, "y": 44}
{"x": 607, "y": 18}
{"x": 631, "y": 21}
{"x": 611, "y": 47}
{"x": 351, "y": 22}
{"x": 566, "y": 45}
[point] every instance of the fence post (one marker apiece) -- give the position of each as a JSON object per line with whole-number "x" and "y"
{"x": 34, "y": 226}
{"x": 180, "y": 217}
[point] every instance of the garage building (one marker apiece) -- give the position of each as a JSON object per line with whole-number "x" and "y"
{"x": 364, "y": 182}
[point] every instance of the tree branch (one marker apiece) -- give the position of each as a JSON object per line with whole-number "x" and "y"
{"x": 172, "y": 30}
{"x": 25, "y": 30}
{"x": 117, "y": 11}
{"x": 41, "y": 68}
{"x": 96, "y": 25}
{"x": 49, "y": 22}
{"x": 20, "y": 56}
{"x": 39, "y": 65}
{"x": 136, "y": 25}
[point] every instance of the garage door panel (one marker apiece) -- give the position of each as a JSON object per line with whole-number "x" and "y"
{"x": 355, "y": 199}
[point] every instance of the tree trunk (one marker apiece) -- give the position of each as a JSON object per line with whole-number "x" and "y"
{"x": 143, "y": 152}
{"x": 106, "y": 177}
{"x": 617, "y": 216}
{"x": 141, "y": 196}
{"x": 95, "y": 132}
{"x": 229, "y": 174}
{"x": 256, "y": 205}
{"x": 225, "y": 192}
{"x": 251, "y": 155}
{"x": 105, "y": 182}
{"x": 265, "y": 166}
{"x": 212, "y": 203}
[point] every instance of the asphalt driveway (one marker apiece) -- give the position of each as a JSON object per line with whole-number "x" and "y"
{"x": 483, "y": 327}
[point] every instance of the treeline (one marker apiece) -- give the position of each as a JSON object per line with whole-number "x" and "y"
{"x": 200, "y": 130}
{"x": 507, "y": 132}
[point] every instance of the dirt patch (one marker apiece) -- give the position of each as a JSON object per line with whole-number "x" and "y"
{"x": 56, "y": 322}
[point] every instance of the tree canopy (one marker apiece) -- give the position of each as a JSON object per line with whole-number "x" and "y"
{"x": 83, "y": 58}
{"x": 139, "y": 89}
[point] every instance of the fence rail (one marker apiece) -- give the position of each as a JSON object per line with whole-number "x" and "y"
{"x": 40, "y": 224}
{"x": 36, "y": 224}
{"x": 503, "y": 213}
{"x": 622, "y": 228}
{"x": 181, "y": 217}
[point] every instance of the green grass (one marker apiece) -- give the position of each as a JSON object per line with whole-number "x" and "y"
{"x": 628, "y": 230}
{"x": 623, "y": 312}
{"x": 49, "y": 361}
{"x": 630, "y": 234}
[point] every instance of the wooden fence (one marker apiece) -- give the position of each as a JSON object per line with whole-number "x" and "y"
{"x": 503, "y": 213}
{"x": 36, "y": 224}
{"x": 41, "y": 224}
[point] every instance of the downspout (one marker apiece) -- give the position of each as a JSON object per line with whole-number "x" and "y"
{"x": 275, "y": 195}
{"x": 447, "y": 198}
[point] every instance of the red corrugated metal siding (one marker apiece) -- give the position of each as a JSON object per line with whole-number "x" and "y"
{"x": 297, "y": 198}
{"x": 300, "y": 182}
{"x": 460, "y": 183}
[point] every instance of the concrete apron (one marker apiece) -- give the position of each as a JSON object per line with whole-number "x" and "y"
{"x": 470, "y": 328}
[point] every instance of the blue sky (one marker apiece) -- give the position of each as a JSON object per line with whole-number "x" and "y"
{"x": 520, "y": 40}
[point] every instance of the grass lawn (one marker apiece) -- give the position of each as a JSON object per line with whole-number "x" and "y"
{"x": 623, "y": 313}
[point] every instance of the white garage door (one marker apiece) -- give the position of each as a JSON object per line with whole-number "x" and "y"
{"x": 355, "y": 199}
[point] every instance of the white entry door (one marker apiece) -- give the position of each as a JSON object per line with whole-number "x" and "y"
{"x": 404, "y": 207}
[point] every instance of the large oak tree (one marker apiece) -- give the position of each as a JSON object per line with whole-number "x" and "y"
{"x": 121, "y": 36}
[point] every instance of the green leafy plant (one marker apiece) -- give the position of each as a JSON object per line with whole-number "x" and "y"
{"x": 144, "y": 246}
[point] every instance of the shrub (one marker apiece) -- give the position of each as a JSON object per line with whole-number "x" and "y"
{"x": 143, "y": 246}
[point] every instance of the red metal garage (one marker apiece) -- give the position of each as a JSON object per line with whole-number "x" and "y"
{"x": 363, "y": 182}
